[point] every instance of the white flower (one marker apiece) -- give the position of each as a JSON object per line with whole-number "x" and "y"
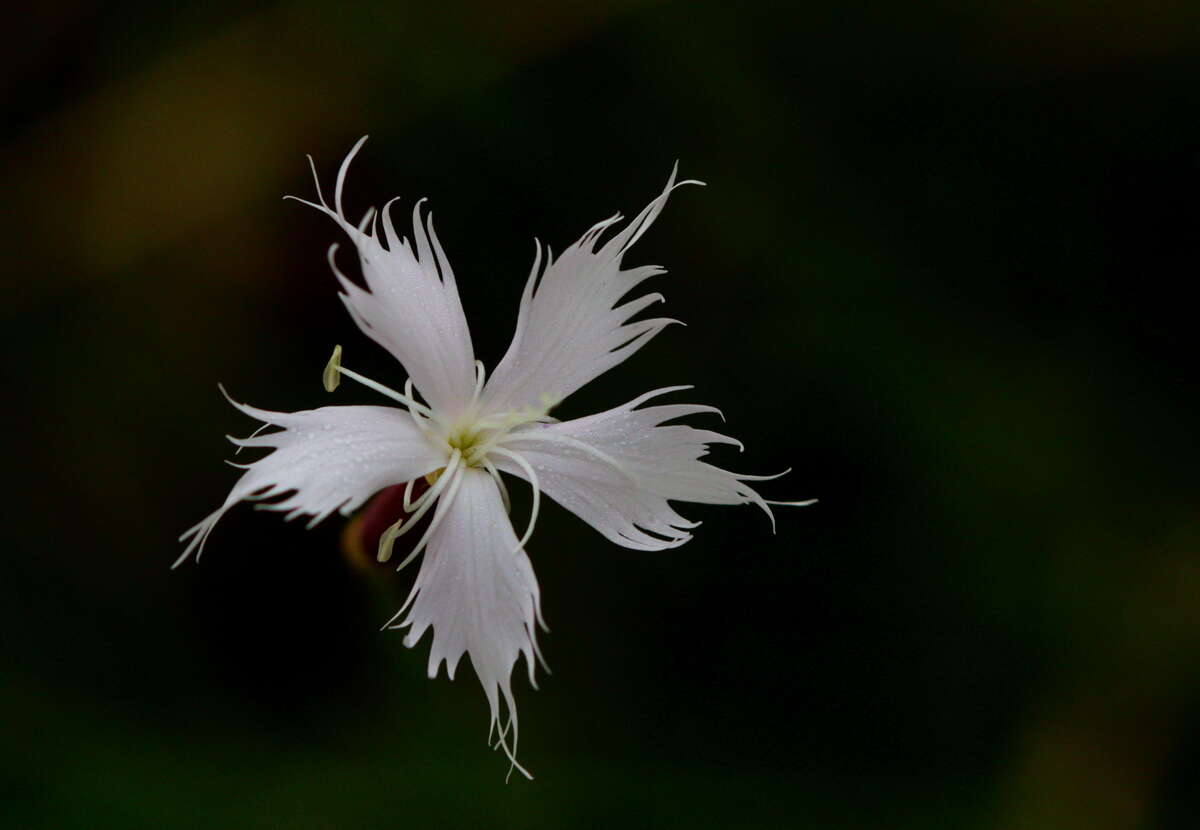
{"x": 618, "y": 470}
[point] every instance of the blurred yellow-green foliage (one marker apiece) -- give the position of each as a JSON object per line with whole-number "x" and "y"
{"x": 941, "y": 270}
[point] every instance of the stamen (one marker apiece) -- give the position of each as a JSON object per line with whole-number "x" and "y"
{"x": 381, "y": 389}
{"x": 330, "y": 377}
{"x": 406, "y": 523}
{"x": 495, "y": 474}
{"x": 387, "y": 539}
{"x": 422, "y": 423}
{"x": 479, "y": 378}
{"x": 502, "y": 426}
{"x": 533, "y": 483}
{"x": 409, "y": 505}
{"x": 507, "y": 420}
{"x": 570, "y": 442}
{"x": 439, "y": 514}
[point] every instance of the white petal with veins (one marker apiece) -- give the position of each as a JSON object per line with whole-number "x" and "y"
{"x": 411, "y": 306}
{"x": 569, "y": 326}
{"x": 618, "y": 470}
{"x": 327, "y": 459}
{"x": 478, "y": 596}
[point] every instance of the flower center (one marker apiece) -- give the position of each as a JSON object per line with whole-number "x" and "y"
{"x": 468, "y": 442}
{"x": 475, "y": 437}
{"x": 463, "y": 439}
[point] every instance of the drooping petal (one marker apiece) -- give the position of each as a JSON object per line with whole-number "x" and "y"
{"x": 618, "y": 470}
{"x": 411, "y": 306}
{"x": 479, "y": 597}
{"x": 327, "y": 459}
{"x": 569, "y": 327}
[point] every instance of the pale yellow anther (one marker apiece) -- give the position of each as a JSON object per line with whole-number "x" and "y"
{"x": 432, "y": 478}
{"x": 332, "y": 375}
{"x": 387, "y": 540}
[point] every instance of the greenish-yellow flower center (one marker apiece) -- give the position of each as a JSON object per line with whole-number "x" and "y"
{"x": 475, "y": 437}
{"x": 463, "y": 439}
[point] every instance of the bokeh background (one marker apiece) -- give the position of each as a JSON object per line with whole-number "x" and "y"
{"x": 942, "y": 269}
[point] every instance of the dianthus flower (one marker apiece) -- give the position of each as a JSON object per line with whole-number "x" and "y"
{"x": 618, "y": 470}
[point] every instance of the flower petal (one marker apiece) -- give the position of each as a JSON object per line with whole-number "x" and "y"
{"x": 479, "y": 597}
{"x": 617, "y": 470}
{"x": 569, "y": 327}
{"x": 411, "y": 306}
{"x": 333, "y": 458}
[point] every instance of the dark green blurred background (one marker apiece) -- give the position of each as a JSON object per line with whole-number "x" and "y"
{"x": 942, "y": 269}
